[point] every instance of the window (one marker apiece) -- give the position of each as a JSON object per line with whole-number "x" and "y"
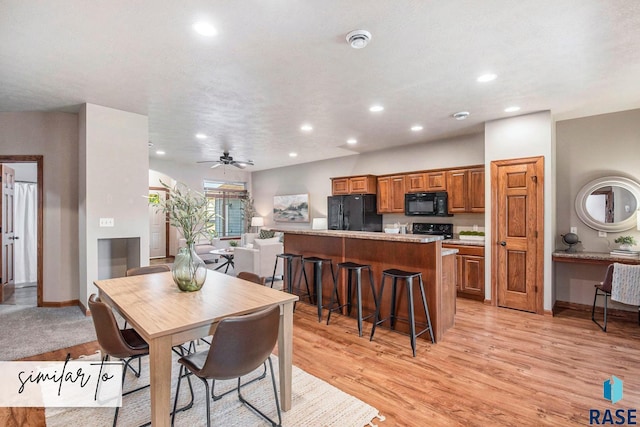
{"x": 225, "y": 200}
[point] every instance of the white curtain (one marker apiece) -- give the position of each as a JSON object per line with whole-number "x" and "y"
{"x": 25, "y": 213}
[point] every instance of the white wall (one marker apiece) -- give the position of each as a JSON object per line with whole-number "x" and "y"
{"x": 114, "y": 177}
{"x": 314, "y": 178}
{"x": 54, "y": 136}
{"x": 589, "y": 148}
{"x": 517, "y": 137}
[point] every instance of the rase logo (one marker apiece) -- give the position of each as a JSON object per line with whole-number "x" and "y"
{"x": 612, "y": 390}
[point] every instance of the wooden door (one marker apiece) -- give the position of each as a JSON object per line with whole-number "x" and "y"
{"x": 339, "y": 186}
{"x": 384, "y": 195}
{"x": 157, "y": 227}
{"x": 518, "y": 207}
{"x": 415, "y": 182}
{"x": 475, "y": 198}
{"x": 436, "y": 181}
{"x": 473, "y": 279}
{"x": 7, "y": 282}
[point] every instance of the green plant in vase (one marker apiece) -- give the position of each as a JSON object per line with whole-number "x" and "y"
{"x": 625, "y": 242}
{"x": 190, "y": 213}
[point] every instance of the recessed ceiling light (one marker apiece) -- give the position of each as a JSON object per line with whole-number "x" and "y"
{"x": 306, "y": 128}
{"x": 204, "y": 29}
{"x": 293, "y": 154}
{"x": 376, "y": 108}
{"x": 461, "y": 115}
{"x": 512, "y": 109}
{"x": 416, "y": 128}
{"x": 352, "y": 141}
{"x": 486, "y": 78}
{"x": 201, "y": 136}
{"x": 160, "y": 153}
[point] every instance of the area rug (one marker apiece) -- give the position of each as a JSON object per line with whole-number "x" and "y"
{"x": 314, "y": 403}
{"x": 27, "y": 331}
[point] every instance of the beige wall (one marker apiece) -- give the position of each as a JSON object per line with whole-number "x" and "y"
{"x": 590, "y": 148}
{"x": 314, "y": 178}
{"x": 529, "y": 135}
{"x": 54, "y": 136}
{"x": 113, "y": 183}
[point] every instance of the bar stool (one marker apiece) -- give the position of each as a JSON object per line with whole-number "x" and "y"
{"x": 317, "y": 278}
{"x": 407, "y": 276}
{"x": 353, "y": 267}
{"x": 288, "y": 260}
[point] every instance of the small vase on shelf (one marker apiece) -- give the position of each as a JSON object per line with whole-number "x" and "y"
{"x": 625, "y": 247}
{"x": 189, "y": 270}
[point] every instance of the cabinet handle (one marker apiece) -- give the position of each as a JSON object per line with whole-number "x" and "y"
{"x": 503, "y": 243}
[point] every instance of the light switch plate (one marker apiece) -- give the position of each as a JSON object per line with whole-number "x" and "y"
{"x": 106, "y": 222}
{"x": 602, "y": 234}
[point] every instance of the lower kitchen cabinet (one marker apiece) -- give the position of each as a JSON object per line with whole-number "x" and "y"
{"x": 470, "y": 271}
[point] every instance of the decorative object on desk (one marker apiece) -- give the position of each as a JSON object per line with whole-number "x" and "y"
{"x": 294, "y": 208}
{"x": 471, "y": 235}
{"x": 570, "y": 239}
{"x": 189, "y": 212}
{"x": 625, "y": 242}
{"x": 233, "y": 244}
{"x": 257, "y": 222}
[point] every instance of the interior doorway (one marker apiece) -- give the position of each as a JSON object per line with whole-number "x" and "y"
{"x": 518, "y": 226}
{"x": 27, "y": 234}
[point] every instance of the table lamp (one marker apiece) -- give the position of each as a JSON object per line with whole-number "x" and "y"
{"x": 257, "y": 221}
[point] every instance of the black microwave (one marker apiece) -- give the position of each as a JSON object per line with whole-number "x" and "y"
{"x": 426, "y": 204}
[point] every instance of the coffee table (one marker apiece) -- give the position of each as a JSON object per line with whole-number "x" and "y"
{"x": 225, "y": 254}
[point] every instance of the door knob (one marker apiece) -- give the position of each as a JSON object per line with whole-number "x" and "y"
{"x": 503, "y": 243}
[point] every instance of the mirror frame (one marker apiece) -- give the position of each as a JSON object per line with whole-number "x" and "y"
{"x": 581, "y": 203}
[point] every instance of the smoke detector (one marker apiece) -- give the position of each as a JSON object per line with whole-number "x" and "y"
{"x": 461, "y": 115}
{"x": 358, "y": 38}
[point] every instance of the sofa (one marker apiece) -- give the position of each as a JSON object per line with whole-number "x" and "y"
{"x": 257, "y": 255}
{"x": 203, "y": 248}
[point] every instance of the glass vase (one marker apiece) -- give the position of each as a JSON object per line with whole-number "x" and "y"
{"x": 189, "y": 270}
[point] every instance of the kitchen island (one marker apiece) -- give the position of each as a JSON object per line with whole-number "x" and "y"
{"x": 383, "y": 251}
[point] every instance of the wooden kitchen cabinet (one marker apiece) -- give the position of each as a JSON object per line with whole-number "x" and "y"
{"x": 465, "y": 188}
{"x": 391, "y": 190}
{"x": 470, "y": 271}
{"x": 426, "y": 181}
{"x": 365, "y": 184}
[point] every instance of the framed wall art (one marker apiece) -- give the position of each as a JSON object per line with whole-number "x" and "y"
{"x": 293, "y": 208}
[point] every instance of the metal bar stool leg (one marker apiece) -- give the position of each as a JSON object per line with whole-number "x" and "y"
{"x": 426, "y": 310}
{"x": 393, "y": 303}
{"x": 317, "y": 273}
{"x": 335, "y": 292}
{"x": 412, "y": 324}
{"x": 376, "y": 319}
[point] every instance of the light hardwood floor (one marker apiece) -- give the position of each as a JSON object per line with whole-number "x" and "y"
{"x": 494, "y": 367}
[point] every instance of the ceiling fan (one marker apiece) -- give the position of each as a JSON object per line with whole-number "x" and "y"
{"x": 226, "y": 159}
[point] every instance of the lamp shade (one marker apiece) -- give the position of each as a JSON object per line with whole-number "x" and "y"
{"x": 319, "y": 224}
{"x": 257, "y": 221}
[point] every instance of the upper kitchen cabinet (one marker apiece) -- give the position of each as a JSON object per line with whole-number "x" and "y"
{"x": 426, "y": 181}
{"x": 391, "y": 191}
{"x": 465, "y": 188}
{"x": 365, "y": 184}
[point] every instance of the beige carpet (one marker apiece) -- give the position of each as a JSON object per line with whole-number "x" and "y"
{"x": 314, "y": 403}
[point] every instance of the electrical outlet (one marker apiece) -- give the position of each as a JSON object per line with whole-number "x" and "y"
{"x": 106, "y": 222}
{"x": 602, "y": 234}
{"x": 574, "y": 230}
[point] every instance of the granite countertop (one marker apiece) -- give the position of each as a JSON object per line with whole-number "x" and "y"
{"x": 605, "y": 256}
{"x": 464, "y": 242}
{"x": 369, "y": 235}
{"x": 449, "y": 251}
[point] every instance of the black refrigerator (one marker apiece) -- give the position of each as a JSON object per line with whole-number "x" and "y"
{"x": 355, "y": 212}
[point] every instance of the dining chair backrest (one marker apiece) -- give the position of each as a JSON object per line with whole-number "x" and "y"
{"x": 108, "y": 333}
{"x": 242, "y": 343}
{"x": 251, "y": 277}
{"x": 149, "y": 269}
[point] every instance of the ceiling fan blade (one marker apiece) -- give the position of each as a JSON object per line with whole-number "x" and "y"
{"x": 240, "y": 165}
{"x": 216, "y": 165}
{"x": 208, "y": 161}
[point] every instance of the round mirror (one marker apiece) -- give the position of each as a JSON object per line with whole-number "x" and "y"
{"x": 609, "y": 203}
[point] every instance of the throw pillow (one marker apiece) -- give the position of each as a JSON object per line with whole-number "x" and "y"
{"x": 261, "y": 242}
{"x": 266, "y": 234}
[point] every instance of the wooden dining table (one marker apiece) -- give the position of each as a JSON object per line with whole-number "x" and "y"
{"x": 164, "y": 316}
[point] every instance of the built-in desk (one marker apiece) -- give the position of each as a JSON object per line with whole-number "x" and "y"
{"x": 576, "y": 273}
{"x": 592, "y": 258}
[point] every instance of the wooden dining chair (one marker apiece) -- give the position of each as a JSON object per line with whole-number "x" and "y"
{"x": 240, "y": 345}
{"x": 251, "y": 277}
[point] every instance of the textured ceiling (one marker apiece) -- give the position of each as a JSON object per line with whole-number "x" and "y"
{"x": 277, "y": 64}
